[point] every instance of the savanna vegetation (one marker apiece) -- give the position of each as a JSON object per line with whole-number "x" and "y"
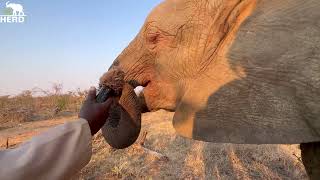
{"x": 159, "y": 152}
{"x": 38, "y": 104}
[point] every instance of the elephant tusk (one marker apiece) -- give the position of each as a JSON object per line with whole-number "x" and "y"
{"x": 138, "y": 90}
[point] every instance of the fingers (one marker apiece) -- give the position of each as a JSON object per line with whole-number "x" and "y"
{"x": 91, "y": 94}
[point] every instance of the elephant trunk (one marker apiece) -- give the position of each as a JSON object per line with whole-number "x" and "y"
{"x": 123, "y": 126}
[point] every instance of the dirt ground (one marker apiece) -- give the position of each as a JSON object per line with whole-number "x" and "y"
{"x": 166, "y": 155}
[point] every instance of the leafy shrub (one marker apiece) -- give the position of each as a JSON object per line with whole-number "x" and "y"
{"x": 44, "y": 105}
{"x": 7, "y": 11}
{"x": 61, "y": 103}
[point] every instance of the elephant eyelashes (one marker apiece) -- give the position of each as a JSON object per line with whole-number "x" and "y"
{"x": 156, "y": 40}
{"x": 153, "y": 38}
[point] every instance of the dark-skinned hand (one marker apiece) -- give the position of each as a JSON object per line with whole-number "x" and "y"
{"x": 95, "y": 113}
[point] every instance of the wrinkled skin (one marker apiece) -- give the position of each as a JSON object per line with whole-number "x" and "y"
{"x": 233, "y": 71}
{"x": 175, "y": 47}
{"x": 123, "y": 126}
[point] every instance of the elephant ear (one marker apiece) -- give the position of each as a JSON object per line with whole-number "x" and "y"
{"x": 277, "y": 101}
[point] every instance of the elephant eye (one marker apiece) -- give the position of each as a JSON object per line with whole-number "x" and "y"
{"x": 153, "y": 38}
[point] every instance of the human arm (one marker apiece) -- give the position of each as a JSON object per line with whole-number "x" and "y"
{"x": 61, "y": 151}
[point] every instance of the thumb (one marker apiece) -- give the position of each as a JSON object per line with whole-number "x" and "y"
{"x": 91, "y": 94}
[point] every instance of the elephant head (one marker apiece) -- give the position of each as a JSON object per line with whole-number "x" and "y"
{"x": 229, "y": 70}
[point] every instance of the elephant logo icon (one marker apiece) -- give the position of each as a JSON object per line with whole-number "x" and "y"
{"x": 17, "y": 9}
{"x": 13, "y": 13}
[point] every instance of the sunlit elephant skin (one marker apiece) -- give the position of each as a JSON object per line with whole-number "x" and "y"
{"x": 234, "y": 71}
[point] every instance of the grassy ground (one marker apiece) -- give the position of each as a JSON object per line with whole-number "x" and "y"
{"x": 164, "y": 154}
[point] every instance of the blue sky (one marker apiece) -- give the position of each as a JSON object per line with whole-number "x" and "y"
{"x": 69, "y": 42}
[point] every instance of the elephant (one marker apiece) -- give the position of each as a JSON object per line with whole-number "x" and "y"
{"x": 233, "y": 71}
{"x": 17, "y": 9}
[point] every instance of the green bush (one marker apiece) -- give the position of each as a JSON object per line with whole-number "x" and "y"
{"x": 7, "y": 11}
{"x": 62, "y": 102}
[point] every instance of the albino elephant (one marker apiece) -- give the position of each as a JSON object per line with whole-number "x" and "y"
{"x": 234, "y": 71}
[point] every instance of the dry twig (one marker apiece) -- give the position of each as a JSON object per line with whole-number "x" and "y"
{"x": 140, "y": 146}
{"x": 7, "y": 144}
{"x": 298, "y": 158}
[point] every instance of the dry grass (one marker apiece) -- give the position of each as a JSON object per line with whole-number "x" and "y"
{"x": 164, "y": 155}
{"x": 25, "y": 107}
{"x": 189, "y": 159}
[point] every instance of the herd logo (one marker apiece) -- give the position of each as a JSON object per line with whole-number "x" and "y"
{"x": 13, "y": 13}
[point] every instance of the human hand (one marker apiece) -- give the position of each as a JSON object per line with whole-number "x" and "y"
{"x": 95, "y": 113}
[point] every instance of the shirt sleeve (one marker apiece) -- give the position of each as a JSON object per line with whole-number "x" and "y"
{"x": 58, "y": 153}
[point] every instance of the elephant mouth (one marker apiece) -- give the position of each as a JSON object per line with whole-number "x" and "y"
{"x": 148, "y": 87}
{"x": 136, "y": 83}
{"x": 139, "y": 88}
{"x": 154, "y": 94}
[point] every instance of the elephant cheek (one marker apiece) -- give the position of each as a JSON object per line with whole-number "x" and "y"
{"x": 159, "y": 95}
{"x": 124, "y": 123}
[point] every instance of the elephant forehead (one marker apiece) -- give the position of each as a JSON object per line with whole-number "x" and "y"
{"x": 171, "y": 13}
